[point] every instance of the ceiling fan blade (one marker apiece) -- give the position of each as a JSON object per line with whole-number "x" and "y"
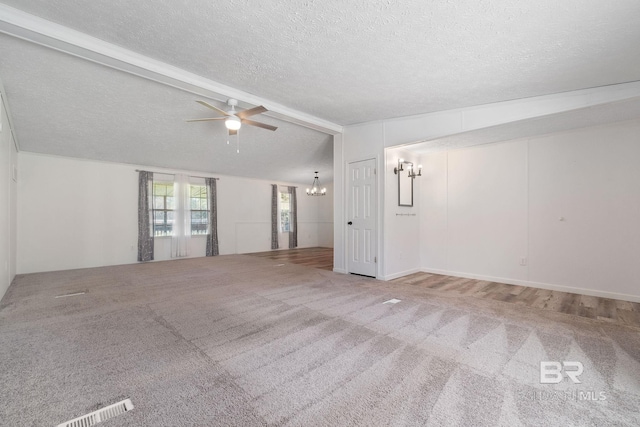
{"x": 233, "y": 132}
{"x": 258, "y": 124}
{"x": 224, "y": 113}
{"x": 251, "y": 112}
{"x": 204, "y": 120}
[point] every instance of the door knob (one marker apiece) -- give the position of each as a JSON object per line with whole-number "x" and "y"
{"x": 350, "y": 223}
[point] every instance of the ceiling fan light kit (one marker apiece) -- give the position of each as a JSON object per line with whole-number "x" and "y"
{"x": 232, "y": 123}
{"x": 233, "y": 120}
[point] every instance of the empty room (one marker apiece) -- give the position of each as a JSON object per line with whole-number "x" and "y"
{"x": 319, "y": 213}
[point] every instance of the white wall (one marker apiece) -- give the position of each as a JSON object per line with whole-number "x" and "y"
{"x": 325, "y": 216}
{"x": 339, "y": 206}
{"x": 76, "y": 213}
{"x": 401, "y": 239}
{"x": 487, "y": 210}
{"x": 13, "y": 213}
{"x": 369, "y": 140}
{"x": 433, "y": 215}
{"x": 484, "y": 208}
{"x": 358, "y": 142}
{"x": 591, "y": 178}
{"x": 8, "y": 161}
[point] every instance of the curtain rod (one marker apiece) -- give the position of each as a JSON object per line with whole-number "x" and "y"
{"x": 166, "y": 173}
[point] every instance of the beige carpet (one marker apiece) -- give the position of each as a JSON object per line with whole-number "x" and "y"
{"x": 238, "y": 340}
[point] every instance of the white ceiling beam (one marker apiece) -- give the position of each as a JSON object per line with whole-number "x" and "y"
{"x": 431, "y": 126}
{"x": 31, "y": 28}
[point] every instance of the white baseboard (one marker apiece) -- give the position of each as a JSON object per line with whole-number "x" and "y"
{"x": 340, "y": 270}
{"x": 400, "y": 274}
{"x": 549, "y": 286}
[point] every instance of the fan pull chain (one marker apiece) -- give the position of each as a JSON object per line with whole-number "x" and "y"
{"x": 238, "y": 142}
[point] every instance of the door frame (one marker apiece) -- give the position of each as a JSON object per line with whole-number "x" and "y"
{"x": 379, "y": 180}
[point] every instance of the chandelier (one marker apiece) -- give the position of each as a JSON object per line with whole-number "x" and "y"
{"x": 316, "y": 188}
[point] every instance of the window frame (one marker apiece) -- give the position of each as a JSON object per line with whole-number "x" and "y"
{"x": 203, "y": 197}
{"x": 166, "y": 224}
{"x": 280, "y": 218}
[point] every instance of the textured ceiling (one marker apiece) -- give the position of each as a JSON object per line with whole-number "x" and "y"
{"x": 68, "y": 106}
{"x": 346, "y": 62}
{"x": 363, "y": 60}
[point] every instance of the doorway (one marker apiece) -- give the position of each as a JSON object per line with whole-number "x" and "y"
{"x": 362, "y": 218}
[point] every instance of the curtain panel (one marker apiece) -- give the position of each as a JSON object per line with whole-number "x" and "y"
{"x": 293, "y": 232}
{"x": 145, "y": 212}
{"x": 180, "y": 240}
{"x": 274, "y": 216}
{"x": 212, "y": 198}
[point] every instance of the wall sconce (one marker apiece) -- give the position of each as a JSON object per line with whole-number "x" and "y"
{"x": 411, "y": 173}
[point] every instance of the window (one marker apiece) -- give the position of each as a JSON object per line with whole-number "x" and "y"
{"x": 285, "y": 212}
{"x": 199, "y": 209}
{"x": 164, "y": 208}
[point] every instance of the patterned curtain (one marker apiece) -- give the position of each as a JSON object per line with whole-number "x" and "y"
{"x": 145, "y": 212}
{"x": 212, "y": 237}
{"x": 293, "y": 233}
{"x": 274, "y": 216}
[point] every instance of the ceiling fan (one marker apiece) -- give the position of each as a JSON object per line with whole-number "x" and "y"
{"x": 233, "y": 119}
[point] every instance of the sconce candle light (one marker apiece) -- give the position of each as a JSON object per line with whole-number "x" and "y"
{"x": 399, "y": 168}
{"x": 411, "y": 172}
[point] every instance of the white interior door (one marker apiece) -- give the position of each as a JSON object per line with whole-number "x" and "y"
{"x": 361, "y": 218}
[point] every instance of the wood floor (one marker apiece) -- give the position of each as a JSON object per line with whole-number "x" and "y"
{"x": 310, "y": 257}
{"x": 610, "y": 310}
{"x": 606, "y": 309}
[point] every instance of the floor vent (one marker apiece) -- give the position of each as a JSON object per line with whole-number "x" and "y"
{"x": 392, "y": 301}
{"x": 100, "y": 415}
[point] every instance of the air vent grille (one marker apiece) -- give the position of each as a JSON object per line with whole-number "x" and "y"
{"x": 100, "y": 415}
